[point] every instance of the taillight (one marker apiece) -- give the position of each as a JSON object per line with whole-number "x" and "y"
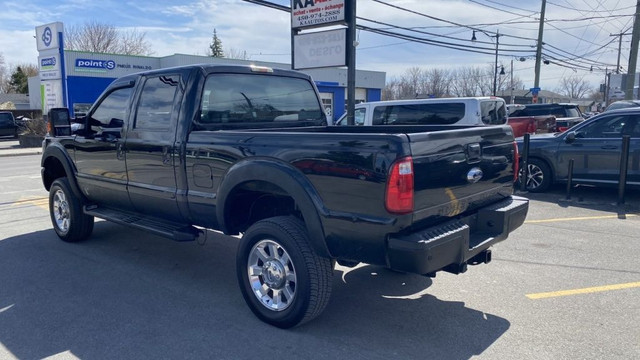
{"x": 531, "y": 129}
{"x": 516, "y": 161}
{"x": 399, "y": 196}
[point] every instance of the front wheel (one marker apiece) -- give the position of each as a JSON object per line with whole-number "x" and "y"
{"x": 70, "y": 223}
{"x": 283, "y": 281}
{"x": 538, "y": 177}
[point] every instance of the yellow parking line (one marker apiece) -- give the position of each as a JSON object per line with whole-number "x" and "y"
{"x": 577, "y": 218}
{"x": 583, "y": 291}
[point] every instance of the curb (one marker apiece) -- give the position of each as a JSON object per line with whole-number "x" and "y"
{"x": 19, "y": 153}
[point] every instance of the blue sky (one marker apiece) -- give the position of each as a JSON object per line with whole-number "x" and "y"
{"x": 573, "y": 28}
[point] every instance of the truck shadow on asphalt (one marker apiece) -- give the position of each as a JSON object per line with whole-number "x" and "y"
{"x": 589, "y": 197}
{"x": 126, "y": 294}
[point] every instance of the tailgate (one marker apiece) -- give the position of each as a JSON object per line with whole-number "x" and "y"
{"x": 459, "y": 170}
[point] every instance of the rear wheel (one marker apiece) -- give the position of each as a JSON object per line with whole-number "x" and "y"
{"x": 70, "y": 223}
{"x": 284, "y": 282}
{"x": 538, "y": 177}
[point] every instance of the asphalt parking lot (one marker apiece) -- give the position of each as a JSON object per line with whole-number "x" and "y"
{"x": 563, "y": 286}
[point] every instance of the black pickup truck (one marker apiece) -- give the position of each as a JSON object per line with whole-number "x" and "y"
{"x": 247, "y": 150}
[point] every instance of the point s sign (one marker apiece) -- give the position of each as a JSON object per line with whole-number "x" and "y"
{"x": 313, "y": 13}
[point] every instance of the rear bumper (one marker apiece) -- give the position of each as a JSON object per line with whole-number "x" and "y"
{"x": 453, "y": 244}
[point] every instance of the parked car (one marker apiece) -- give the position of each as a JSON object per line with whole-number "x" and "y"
{"x": 567, "y": 115}
{"x": 441, "y": 111}
{"x": 8, "y": 125}
{"x": 623, "y": 104}
{"x": 529, "y": 124}
{"x": 594, "y": 145}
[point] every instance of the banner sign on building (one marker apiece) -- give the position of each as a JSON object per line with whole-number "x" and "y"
{"x": 312, "y": 13}
{"x": 320, "y": 49}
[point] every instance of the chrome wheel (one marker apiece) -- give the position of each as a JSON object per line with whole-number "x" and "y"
{"x": 535, "y": 176}
{"x": 539, "y": 176}
{"x": 61, "y": 211}
{"x": 272, "y": 276}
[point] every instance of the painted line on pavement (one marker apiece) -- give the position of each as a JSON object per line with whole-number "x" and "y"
{"x": 577, "y": 218}
{"x": 583, "y": 291}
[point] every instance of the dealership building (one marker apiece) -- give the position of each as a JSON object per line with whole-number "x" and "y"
{"x": 75, "y": 79}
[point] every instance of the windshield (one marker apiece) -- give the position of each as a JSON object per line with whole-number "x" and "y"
{"x": 249, "y": 100}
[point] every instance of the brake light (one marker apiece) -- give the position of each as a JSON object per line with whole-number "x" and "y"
{"x": 531, "y": 128}
{"x": 516, "y": 162}
{"x": 399, "y": 195}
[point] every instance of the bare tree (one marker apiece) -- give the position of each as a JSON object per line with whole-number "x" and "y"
{"x": 437, "y": 83}
{"x": 465, "y": 81}
{"x": 575, "y": 87}
{"x": 98, "y": 37}
{"x": 237, "y": 54}
{"x": 5, "y": 87}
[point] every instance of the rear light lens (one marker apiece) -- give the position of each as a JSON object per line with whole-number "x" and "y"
{"x": 399, "y": 195}
{"x": 531, "y": 128}
{"x": 516, "y": 162}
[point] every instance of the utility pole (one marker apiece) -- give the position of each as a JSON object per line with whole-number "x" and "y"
{"x": 351, "y": 60}
{"x": 633, "y": 56}
{"x": 495, "y": 70}
{"x": 619, "y": 49}
{"x": 536, "y": 83}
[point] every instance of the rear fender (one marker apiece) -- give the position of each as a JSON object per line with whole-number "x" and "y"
{"x": 285, "y": 177}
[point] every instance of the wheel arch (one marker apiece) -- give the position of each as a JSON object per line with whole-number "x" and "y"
{"x": 546, "y": 161}
{"x": 270, "y": 178}
{"x": 55, "y": 164}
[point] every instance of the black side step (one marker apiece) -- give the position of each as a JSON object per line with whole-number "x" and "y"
{"x": 172, "y": 230}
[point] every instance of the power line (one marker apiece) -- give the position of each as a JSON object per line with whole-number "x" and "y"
{"x": 572, "y": 8}
{"x": 577, "y": 59}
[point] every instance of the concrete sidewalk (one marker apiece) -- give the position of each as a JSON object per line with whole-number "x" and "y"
{"x": 10, "y": 147}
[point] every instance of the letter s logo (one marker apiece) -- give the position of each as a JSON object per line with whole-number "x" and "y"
{"x": 110, "y": 65}
{"x": 47, "y": 36}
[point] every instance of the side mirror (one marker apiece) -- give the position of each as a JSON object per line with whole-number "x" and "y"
{"x": 59, "y": 122}
{"x": 571, "y": 137}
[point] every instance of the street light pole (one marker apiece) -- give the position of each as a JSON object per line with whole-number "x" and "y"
{"x": 511, "y": 82}
{"x": 495, "y": 68}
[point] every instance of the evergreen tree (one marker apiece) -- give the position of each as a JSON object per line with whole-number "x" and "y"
{"x": 19, "y": 81}
{"x": 216, "y": 46}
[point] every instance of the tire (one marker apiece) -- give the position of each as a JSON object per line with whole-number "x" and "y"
{"x": 539, "y": 176}
{"x": 70, "y": 223}
{"x": 281, "y": 278}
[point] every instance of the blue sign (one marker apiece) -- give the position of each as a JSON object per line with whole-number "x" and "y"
{"x": 99, "y": 65}
{"x": 47, "y": 62}
{"x": 47, "y": 36}
{"x": 535, "y": 90}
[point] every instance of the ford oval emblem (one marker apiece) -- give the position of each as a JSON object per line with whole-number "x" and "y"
{"x": 474, "y": 175}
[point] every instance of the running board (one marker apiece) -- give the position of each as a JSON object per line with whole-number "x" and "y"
{"x": 161, "y": 227}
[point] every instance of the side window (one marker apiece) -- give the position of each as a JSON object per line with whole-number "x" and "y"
{"x": 419, "y": 114}
{"x": 111, "y": 113}
{"x": 493, "y": 112}
{"x": 380, "y": 115}
{"x": 359, "y": 115}
{"x": 608, "y": 127}
{"x": 156, "y": 102}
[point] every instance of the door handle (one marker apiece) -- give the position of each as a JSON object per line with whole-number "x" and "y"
{"x": 166, "y": 155}
{"x": 608, "y": 147}
{"x": 119, "y": 151}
